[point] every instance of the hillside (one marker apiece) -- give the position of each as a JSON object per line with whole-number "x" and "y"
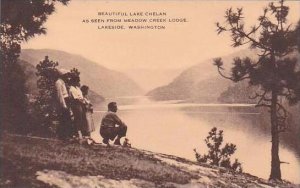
{"x": 38, "y": 162}
{"x": 199, "y": 83}
{"x": 31, "y": 82}
{"x": 207, "y": 90}
{"x": 149, "y": 78}
{"x": 238, "y": 93}
{"x": 103, "y": 81}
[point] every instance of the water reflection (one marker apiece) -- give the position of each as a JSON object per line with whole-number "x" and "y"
{"x": 177, "y": 128}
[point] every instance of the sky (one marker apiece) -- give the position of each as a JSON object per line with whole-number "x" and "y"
{"x": 178, "y": 46}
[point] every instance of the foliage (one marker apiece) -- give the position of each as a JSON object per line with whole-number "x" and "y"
{"x": 45, "y": 103}
{"x": 274, "y": 69}
{"x": 275, "y": 74}
{"x": 218, "y": 156}
{"x": 74, "y": 73}
{"x": 13, "y": 97}
{"x": 20, "y": 20}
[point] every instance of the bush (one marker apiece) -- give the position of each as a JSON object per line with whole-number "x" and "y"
{"x": 218, "y": 156}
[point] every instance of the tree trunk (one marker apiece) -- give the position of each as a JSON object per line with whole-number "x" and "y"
{"x": 275, "y": 161}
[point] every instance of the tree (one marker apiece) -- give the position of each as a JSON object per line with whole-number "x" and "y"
{"x": 275, "y": 72}
{"x": 74, "y": 72}
{"x": 218, "y": 156}
{"x": 13, "y": 97}
{"x": 45, "y": 103}
{"x": 20, "y": 21}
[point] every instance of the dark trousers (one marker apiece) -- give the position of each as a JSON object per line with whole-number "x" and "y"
{"x": 86, "y": 133}
{"x": 65, "y": 127}
{"x": 112, "y": 132}
{"x": 78, "y": 115}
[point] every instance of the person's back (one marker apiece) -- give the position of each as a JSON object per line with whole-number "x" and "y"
{"x": 110, "y": 119}
{"x": 62, "y": 92}
{"x": 62, "y": 107}
{"x": 112, "y": 125}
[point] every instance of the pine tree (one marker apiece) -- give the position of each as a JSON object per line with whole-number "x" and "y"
{"x": 20, "y": 21}
{"x": 218, "y": 156}
{"x": 13, "y": 100}
{"x": 45, "y": 103}
{"x": 275, "y": 73}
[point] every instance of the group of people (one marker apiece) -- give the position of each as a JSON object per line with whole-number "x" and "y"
{"x": 75, "y": 112}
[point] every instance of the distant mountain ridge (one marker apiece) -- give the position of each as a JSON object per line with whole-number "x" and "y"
{"x": 150, "y": 78}
{"x": 199, "y": 83}
{"x": 103, "y": 81}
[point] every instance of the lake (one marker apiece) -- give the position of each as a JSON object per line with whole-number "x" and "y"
{"x": 176, "y": 128}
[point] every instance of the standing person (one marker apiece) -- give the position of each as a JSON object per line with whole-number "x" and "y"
{"x": 88, "y": 110}
{"x": 77, "y": 102}
{"x": 63, "y": 106}
{"x": 112, "y": 126}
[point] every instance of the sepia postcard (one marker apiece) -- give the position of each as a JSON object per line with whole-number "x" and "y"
{"x": 150, "y": 93}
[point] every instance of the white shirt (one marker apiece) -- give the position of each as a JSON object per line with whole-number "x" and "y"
{"x": 62, "y": 92}
{"x": 76, "y": 93}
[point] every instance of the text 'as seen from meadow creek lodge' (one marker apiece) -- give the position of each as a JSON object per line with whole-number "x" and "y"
{"x": 146, "y": 20}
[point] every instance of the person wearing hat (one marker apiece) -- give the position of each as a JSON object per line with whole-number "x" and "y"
{"x": 63, "y": 109}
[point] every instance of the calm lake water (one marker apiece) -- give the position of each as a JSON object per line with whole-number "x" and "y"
{"x": 177, "y": 128}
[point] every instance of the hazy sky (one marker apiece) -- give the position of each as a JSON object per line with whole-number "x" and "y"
{"x": 179, "y": 45}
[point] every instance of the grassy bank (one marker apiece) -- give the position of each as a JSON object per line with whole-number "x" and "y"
{"x": 22, "y": 157}
{"x": 28, "y": 155}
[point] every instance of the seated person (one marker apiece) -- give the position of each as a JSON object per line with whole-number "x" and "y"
{"x": 112, "y": 126}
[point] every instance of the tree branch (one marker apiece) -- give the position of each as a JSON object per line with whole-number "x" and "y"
{"x": 229, "y": 78}
{"x": 263, "y": 105}
{"x": 284, "y": 162}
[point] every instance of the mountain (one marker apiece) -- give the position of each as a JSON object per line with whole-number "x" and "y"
{"x": 238, "y": 93}
{"x": 199, "y": 83}
{"x": 150, "y": 78}
{"x": 31, "y": 83}
{"x": 103, "y": 81}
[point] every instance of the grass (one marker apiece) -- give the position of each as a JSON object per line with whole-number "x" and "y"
{"x": 22, "y": 157}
